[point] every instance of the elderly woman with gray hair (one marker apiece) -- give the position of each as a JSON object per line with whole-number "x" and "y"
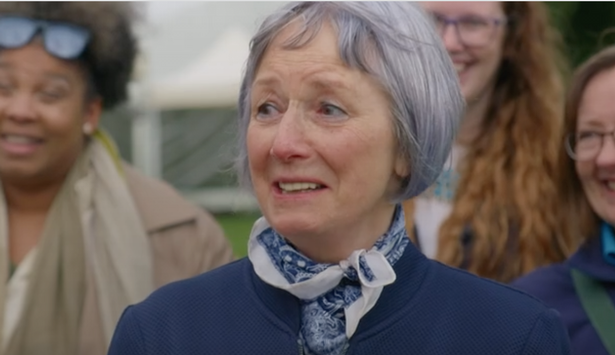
{"x": 345, "y": 110}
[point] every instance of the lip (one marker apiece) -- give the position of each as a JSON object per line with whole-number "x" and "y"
{"x": 20, "y": 149}
{"x": 462, "y": 74}
{"x": 279, "y": 194}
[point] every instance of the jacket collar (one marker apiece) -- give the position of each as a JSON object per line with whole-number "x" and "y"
{"x": 410, "y": 270}
{"x": 590, "y": 260}
{"x": 159, "y": 205}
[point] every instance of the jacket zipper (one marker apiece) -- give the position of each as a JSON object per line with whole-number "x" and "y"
{"x": 300, "y": 343}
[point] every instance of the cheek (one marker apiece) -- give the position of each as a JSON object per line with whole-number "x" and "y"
{"x": 491, "y": 64}
{"x": 63, "y": 121}
{"x": 489, "y": 59}
{"x": 585, "y": 171}
{"x": 376, "y": 155}
{"x": 257, "y": 149}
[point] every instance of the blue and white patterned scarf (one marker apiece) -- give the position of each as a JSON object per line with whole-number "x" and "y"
{"x": 334, "y": 297}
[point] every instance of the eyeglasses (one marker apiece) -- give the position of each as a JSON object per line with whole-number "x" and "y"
{"x": 586, "y": 145}
{"x": 472, "y": 30}
{"x": 60, "y": 39}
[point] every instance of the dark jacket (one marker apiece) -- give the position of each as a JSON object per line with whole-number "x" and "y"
{"x": 430, "y": 309}
{"x": 553, "y": 284}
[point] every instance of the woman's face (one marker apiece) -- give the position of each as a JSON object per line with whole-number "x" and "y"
{"x": 597, "y": 114}
{"x": 42, "y": 113}
{"x": 320, "y": 143}
{"x": 476, "y": 49}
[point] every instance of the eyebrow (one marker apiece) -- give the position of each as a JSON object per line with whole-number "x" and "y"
{"x": 591, "y": 122}
{"x": 269, "y": 80}
{"x": 48, "y": 75}
{"x": 318, "y": 81}
{"x": 327, "y": 83}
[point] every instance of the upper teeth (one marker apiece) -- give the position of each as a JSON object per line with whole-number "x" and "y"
{"x": 297, "y": 186}
{"x": 611, "y": 185}
{"x": 19, "y": 139}
{"x": 459, "y": 67}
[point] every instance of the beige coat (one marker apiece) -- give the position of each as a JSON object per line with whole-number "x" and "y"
{"x": 185, "y": 241}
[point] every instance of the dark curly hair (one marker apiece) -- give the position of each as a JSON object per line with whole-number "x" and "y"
{"x": 110, "y": 54}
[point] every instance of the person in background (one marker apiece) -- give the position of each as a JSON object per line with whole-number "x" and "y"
{"x": 345, "y": 109}
{"x": 82, "y": 234}
{"x": 582, "y": 288}
{"x": 491, "y": 210}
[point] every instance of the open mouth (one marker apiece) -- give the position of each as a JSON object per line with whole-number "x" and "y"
{"x": 298, "y": 187}
{"x": 19, "y": 139}
{"x": 610, "y": 185}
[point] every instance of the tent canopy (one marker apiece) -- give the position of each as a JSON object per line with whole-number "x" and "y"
{"x": 213, "y": 80}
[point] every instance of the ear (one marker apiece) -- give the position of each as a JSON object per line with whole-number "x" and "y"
{"x": 92, "y": 112}
{"x": 402, "y": 166}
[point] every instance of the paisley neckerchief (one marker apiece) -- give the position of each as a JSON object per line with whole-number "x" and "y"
{"x": 333, "y": 297}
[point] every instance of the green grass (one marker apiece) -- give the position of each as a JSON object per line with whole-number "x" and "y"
{"x": 237, "y": 228}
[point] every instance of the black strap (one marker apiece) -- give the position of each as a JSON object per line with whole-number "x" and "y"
{"x": 598, "y": 306}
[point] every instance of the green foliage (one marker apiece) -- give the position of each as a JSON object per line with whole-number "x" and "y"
{"x": 237, "y": 227}
{"x": 584, "y": 27}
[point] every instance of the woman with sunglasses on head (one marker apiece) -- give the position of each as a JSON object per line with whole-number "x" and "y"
{"x": 82, "y": 234}
{"x": 492, "y": 210}
{"x": 582, "y": 288}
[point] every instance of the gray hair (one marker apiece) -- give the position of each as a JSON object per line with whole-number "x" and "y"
{"x": 411, "y": 64}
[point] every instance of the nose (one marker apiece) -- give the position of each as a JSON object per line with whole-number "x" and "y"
{"x": 606, "y": 156}
{"x": 19, "y": 107}
{"x": 290, "y": 141}
{"x": 451, "y": 39}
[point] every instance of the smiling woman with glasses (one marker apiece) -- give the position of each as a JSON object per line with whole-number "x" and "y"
{"x": 82, "y": 233}
{"x": 582, "y": 288}
{"x": 472, "y": 30}
{"x": 490, "y": 211}
{"x": 587, "y": 144}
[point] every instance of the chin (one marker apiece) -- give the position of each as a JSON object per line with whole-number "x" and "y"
{"x": 470, "y": 95}
{"x": 18, "y": 173}
{"x": 293, "y": 225}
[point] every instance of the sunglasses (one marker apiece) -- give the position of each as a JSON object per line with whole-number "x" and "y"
{"x": 60, "y": 39}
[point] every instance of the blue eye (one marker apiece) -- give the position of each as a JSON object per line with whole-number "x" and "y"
{"x": 331, "y": 110}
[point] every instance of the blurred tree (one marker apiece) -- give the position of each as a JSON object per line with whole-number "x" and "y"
{"x": 586, "y": 27}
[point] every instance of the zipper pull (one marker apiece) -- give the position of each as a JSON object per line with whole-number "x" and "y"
{"x": 345, "y": 349}
{"x": 300, "y": 343}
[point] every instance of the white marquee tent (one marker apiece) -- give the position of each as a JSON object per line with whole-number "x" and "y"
{"x": 212, "y": 80}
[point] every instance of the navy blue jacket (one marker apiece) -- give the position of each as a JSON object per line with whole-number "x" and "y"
{"x": 430, "y": 309}
{"x": 553, "y": 284}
